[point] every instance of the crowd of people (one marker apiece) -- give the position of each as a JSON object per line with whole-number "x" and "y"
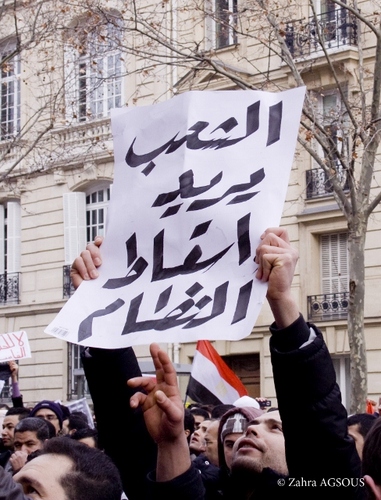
{"x": 146, "y": 445}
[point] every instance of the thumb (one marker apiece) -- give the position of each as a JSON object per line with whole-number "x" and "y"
{"x": 160, "y": 398}
{"x": 173, "y": 413}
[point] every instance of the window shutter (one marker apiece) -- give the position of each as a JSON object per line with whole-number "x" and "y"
{"x": 2, "y": 222}
{"x": 344, "y": 273}
{"x": 13, "y": 237}
{"x": 74, "y": 205}
{"x": 325, "y": 264}
{"x": 334, "y": 262}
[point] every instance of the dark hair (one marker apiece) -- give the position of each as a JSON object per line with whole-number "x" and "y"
{"x": 364, "y": 421}
{"x": 208, "y": 408}
{"x": 220, "y": 410}
{"x": 93, "y": 474}
{"x": 188, "y": 423}
{"x": 371, "y": 454}
{"x": 51, "y": 428}
{"x": 65, "y": 411}
{"x": 21, "y": 412}
{"x": 85, "y": 433}
{"x": 201, "y": 412}
{"x": 273, "y": 408}
{"x": 80, "y": 414}
{"x": 34, "y": 424}
{"x": 77, "y": 422}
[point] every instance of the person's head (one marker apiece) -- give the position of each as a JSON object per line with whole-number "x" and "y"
{"x": 371, "y": 460}
{"x": 49, "y": 410}
{"x": 30, "y": 434}
{"x": 199, "y": 415}
{"x": 197, "y": 441}
{"x": 211, "y": 442}
{"x": 68, "y": 470}
{"x": 87, "y": 436}
{"x": 188, "y": 424}
{"x": 220, "y": 410}
{"x": 359, "y": 425}
{"x": 75, "y": 422}
{"x": 232, "y": 426}
{"x": 262, "y": 446}
{"x": 11, "y": 419}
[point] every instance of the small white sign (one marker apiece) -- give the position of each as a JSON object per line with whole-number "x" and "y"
{"x": 14, "y": 345}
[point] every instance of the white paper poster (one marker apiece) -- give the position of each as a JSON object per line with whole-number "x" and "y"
{"x": 14, "y": 345}
{"x": 197, "y": 180}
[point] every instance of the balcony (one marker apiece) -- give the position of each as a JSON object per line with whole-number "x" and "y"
{"x": 333, "y": 29}
{"x": 318, "y": 182}
{"x": 79, "y": 142}
{"x": 9, "y": 288}
{"x": 68, "y": 288}
{"x": 329, "y": 306}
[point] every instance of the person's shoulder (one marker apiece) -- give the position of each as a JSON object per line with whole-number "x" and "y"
{"x": 209, "y": 472}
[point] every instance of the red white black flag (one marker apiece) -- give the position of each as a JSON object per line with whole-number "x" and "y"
{"x": 211, "y": 380}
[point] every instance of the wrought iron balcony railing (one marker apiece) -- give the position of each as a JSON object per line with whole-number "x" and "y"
{"x": 68, "y": 288}
{"x": 333, "y": 29}
{"x": 9, "y": 288}
{"x": 328, "y": 306}
{"x": 318, "y": 182}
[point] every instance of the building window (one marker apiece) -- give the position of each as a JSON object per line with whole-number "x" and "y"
{"x": 247, "y": 368}
{"x": 78, "y": 387}
{"x": 221, "y": 23}
{"x": 330, "y": 114}
{"x": 84, "y": 219}
{"x": 331, "y": 26}
{"x": 10, "y": 252}
{"x": 5, "y": 387}
{"x": 9, "y": 92}
{"x": 94, "y": 70}
{"x": 96, "y": 212}
{"x": 343, "y": 378}
{"x": 333, "y": 302}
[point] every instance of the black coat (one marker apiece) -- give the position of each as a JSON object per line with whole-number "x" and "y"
{"x": 322, "y": 459}
{"x": 121, "y": 431}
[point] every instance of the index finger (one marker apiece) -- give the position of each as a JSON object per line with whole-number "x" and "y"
{"x": 277, "y": 231}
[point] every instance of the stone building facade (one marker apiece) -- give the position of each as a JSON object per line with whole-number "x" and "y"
{"x": 56, "y": 163}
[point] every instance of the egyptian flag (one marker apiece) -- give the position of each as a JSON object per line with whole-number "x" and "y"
{"x": 211, "y": 380}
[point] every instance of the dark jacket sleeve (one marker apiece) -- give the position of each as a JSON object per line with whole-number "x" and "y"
{"x": 122, "y": 431}
{"x": 18, "y": 402}
{"x": 314, "y": 420}
{"x": 187, "y": 486}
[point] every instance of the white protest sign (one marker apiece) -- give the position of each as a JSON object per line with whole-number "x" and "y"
{"x": 14, "y": 345}
{"x": 197, "y": 180}
{"x": 83, "y": 406}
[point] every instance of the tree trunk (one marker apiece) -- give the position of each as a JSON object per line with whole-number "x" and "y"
{"x": 358, "y": 361}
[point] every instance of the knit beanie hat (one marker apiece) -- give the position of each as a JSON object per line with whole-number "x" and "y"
{"x": 50, "y": 405}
